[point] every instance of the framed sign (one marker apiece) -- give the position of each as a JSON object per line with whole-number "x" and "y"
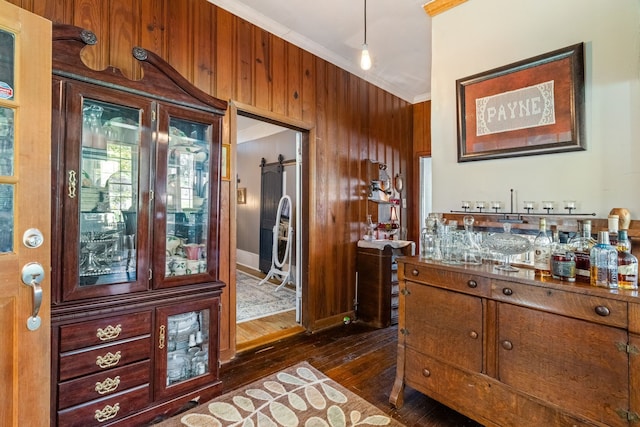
{"x": 534, "y": 106}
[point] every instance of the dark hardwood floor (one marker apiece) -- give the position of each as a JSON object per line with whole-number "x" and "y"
{"x": 361, "y": 358}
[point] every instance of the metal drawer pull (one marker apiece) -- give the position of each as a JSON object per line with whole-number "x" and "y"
{"x": 108, "y": 360}
{"x": 426, "y": 372}
{"x": 107, "y": 413}
{"x": 108, "y": 333}
{"x": 108, "y": 385}
{"x": 472, "y": 284}
{"x": 415, "y": 272}
{"x": 507, "y": 345}
{"x": 161, "y": 337}
{"x": 72, "y": 184}
{"x": 507, "y": 291}
{"x": 603, "y": 311}
{"x": 473, "y": 334}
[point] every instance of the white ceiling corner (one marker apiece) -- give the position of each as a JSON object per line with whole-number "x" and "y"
{"x": 398, "y": 36}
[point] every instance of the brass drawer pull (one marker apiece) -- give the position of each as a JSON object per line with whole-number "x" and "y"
{"x": 426, "y": 372}
{"x": 415, "y": 272}
{"x": 109, "y": 333}
{"x": 603, "y": 311}
{"x": 72, "y": 184}
{"x": 108, "y": 360}
{"x": 107, "y": 413}
{"x": 507, "y": 345}
{"x": 161, "y": 337}
{"x": 473, "y": 334}
{"x": 108, "y": 385}
{"x": 472, "y": 284}
{"x": 507, "y": 291}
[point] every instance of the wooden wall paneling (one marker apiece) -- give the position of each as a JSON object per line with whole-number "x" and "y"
{"x": 180, "y": 37}
{"x": 342, "y": 203}
{"x": 153, "y": 26}
{"x": 422, "y": 128}
{"x": 123, "y": 35}
{"x": 203, "y": 31}
{"x": 278, "y": 75}
{"x": 224, "y": 71}
{"x": 294, "y": 77}
{"x": 244, "y": 61}
{"x": 262, "y": 82}
{"x": 94, "y": 15}
{"x": 308, "y": 86}
{"x": 54, "y": 10}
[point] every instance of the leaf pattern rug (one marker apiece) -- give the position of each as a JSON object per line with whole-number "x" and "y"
{"x": 297, "y": 396}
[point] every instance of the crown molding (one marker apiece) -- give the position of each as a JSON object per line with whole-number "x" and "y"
{"x": 435, "y": 7}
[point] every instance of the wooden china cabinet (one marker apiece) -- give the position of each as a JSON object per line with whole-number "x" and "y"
{"x": 135, "y": 284}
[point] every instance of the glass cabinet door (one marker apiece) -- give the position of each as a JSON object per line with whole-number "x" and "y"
{"x": 186, "y": 346}
{"x": 104, "y": 195}
{"x": 184, "y": 183}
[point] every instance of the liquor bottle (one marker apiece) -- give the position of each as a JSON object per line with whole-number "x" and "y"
{"x": 581, "y": 245}
{"x": 613, "y": 221}
{"x": 542, "y": 251}
{"x": 563, "y": 260}
{"x": 604, "y": 263}
{"x": 627, "y": 263}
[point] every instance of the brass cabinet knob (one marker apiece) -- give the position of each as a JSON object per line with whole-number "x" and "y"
{"x": 603, "y": 311}
{"x": 426, "y": 372}
{"x": 507, "y": 291}
{"x": 415, "y": 272}
{"x": 472, "y": 284}
{"x": 507, "y": 345}
{"x": 473, "y": 334}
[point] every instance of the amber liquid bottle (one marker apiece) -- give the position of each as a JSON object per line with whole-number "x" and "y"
{"x": 627, "y": 263}
{"x": 581, "y": 246}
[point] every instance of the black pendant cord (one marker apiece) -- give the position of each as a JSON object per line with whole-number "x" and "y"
{"x": 365, "y": 22}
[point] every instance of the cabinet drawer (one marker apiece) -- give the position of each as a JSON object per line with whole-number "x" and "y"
{"x": 468, "y": 283}
{"x": 95, "y": 359}
{"x": 445, "y": 324}
{"x": 101, "y": 331}
{"x": 585, "y": 307}
{"x": 104, "y": 411}
{"x": 103, "y": 384}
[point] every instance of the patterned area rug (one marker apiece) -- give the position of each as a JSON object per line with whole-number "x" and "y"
{"x": 254, "y": 301}
{"x": 297, "y": 396}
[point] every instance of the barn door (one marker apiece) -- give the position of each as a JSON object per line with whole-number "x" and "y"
{"x": 270, "y": 194}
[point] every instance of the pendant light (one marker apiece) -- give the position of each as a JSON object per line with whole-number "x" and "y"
{"x": 365, "y": 59}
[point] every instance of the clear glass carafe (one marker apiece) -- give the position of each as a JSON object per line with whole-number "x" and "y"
{"x": 428, "y": 239}
{"x": 472, "y": 252}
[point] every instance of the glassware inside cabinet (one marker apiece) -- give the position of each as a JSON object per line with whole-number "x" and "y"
{"x": 108, "y": 196}
{"x": 187, "y": 198}
{"x": 187, "y": 346}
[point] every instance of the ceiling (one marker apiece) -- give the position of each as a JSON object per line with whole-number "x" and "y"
{"x": 398, "y": 36}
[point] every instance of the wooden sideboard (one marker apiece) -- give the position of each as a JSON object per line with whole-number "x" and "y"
{"x": 508, "y": 350}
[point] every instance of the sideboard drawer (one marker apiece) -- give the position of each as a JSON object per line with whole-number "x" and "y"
{"x": 467, "y": 283}
{"x": 104, "y": 411}
{"x": 95, "y": 359}
{"x": 103, "y": 384}
{"x": 102, "y": 331}
{"x": 586, "y": 307}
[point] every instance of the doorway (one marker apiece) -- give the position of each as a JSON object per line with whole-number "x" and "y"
{"x": 266, "y": 310}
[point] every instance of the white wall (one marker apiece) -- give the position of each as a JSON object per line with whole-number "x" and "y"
{"x": 483, "y": 34}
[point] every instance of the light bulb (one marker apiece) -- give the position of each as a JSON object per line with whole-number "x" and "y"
{"x": 365, "y": 59}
